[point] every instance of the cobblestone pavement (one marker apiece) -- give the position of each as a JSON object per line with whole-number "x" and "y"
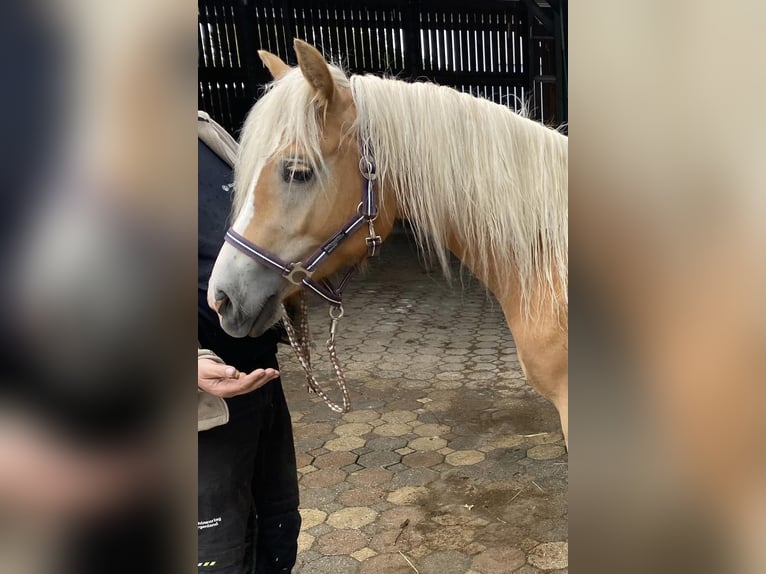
{"x": 448, "y": 463}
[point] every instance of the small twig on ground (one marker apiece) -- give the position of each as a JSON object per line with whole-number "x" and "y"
{"x": 410, "y": 563}
{"x": 538, "y": 486}
{"x": 402, "y": 526}
{"x": 534, "y": 435}
{"x": 515, "y": 495}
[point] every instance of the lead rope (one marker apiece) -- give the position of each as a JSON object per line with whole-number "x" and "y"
{"x": 300, "y": 343}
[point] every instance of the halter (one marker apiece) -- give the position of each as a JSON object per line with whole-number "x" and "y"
{"x": 300, "y": 273}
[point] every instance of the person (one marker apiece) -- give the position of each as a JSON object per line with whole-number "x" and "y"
{"x": 248, "y": 520}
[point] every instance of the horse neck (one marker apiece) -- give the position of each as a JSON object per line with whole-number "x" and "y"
{"x": 474, "y": 178}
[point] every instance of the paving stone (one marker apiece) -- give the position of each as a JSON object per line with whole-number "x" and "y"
{"x": 438, "y": 406}
{"x": 370, "y": 404}
{"x": 509, "y": 441}
{"x": 394, "y": 539}
{"x": 396, "y": 516}
{"x": 545, "y": 452}
{"x": 379, "y": 459}
{"x": 431, "y": 430}
{"x": 346, "y": 443}
{"x": 311, "y": 517}
{"x": 449, "y": 537}
{"x": 381, "y": 506}
{"x": 392, "y": 429}
{"x": 550, "y": 556}
{"x": 414, "y": 477}
{"x": 422, "y": 459}
{"x": 466, "y": 442}
{"x": 323, "y": 478}
{"x": 303, "y": 459}
{"x": 305, "y": 540}
{"x": 307, "y": 444}
{"x": 447, "y": 384}
{"x": 407, "y": 495}
{"x": 362, "y": 496}
{"x": 474, "y": 548}
{"x": 363, "y": 554}
{"x": 323, "y": 528}
{"x": 352, "y": 517}
{"x": 399, "y": 416}
{"x": 427, "y": 443}
{"x": 464, "y": 457}
{"x": 386, "y": 443}
{"x": 352, "y": 429}
{"x": 314, "y": 429}
{"x": 385, "y": 564}
{"x": 321, "y": 497}
{"x": 401, "y": 403}
{"x": 327, "y": 564}
{"x": 498, "y": 560}
{"x": 450, "y": 519}
{"x": 361, "y": 416}
{"x": 341, "y": 542}
{"x": 370, "y": 477}
{"x": 335, "y": 460}
{"x": 483, "y": 352}
{"x": 445, "y": 562}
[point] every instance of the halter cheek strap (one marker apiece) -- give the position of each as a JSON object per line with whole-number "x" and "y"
{"x": 300, "y": 272}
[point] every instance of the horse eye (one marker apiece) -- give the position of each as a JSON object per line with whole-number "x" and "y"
{"x": 297, "y": 173}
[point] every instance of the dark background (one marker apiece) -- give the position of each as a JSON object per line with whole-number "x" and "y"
{"x": 510, "y": 51}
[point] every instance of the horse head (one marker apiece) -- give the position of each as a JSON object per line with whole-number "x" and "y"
{"x": 297, "y": 183}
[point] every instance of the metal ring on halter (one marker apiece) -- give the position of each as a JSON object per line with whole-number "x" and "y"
{"x": 360, "y": 212}
{"x": 367, "y": 168}
{"x": 298, "y": 273}
{"x": 338, "y": 310}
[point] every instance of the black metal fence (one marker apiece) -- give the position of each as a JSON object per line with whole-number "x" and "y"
{"x": 511, "y": 52}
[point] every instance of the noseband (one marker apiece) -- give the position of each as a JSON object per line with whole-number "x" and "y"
{"x": 300, "y": 272}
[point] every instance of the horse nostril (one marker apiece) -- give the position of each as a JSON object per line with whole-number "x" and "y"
{"x": 221, "y": 301}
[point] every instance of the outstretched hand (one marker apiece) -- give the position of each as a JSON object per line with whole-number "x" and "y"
{"x": 225, "y": 381}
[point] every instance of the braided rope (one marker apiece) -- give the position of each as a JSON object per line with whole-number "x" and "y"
{"x": 300, "y": 342}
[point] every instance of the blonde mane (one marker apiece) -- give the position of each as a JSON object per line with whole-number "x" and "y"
{"x": 457, "y": 164}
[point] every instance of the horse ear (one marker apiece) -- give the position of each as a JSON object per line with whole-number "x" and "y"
{"x": 315, "y": 69}
{"x": 274, "y": 64}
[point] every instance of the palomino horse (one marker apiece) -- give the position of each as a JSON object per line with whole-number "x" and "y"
{"x": 472, "y": 177}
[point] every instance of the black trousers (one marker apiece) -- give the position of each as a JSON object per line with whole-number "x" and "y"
{"x": 248, "y": 520}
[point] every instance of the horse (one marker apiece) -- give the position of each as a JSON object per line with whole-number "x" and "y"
{"x": 471, "y": 177}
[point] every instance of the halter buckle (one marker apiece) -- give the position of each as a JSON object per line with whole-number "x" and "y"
{"x": 298, "y": 273}
{"x": 373, "y": 245}
{"x": 373, "y": 240}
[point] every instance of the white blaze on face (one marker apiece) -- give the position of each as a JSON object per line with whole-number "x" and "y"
{"x": 231, "y": 263}
{"x": 245, "y": 216}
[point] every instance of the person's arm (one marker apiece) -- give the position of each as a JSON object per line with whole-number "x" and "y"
{"x": 222, "y": 380}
